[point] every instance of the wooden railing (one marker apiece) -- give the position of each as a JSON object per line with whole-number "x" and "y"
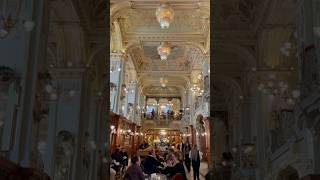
{"x": 11, "y": 171}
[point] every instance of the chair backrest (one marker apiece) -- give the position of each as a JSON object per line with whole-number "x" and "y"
{"x": 178, "y": 176}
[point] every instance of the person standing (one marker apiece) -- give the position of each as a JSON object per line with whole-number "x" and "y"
{"x": 134, "y": 172}
{"x": 186, "y": 150}
{"x": 195, "y": 156}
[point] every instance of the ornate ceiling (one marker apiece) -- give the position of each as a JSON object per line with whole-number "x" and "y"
{"x": 141, "y": 33}
{"x": 238, "y": 27}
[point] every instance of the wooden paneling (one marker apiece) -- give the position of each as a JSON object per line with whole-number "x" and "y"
{"x": 311, "y": 177}
{"x": 11, "y": 171}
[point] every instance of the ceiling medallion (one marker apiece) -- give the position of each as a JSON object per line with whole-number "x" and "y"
{"x": 164, "y": 50}
{"x": 164, "y": 15}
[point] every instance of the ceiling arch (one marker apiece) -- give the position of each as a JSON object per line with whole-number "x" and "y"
{"x": 244, "y": 54}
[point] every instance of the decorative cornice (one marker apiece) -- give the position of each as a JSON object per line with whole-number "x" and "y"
{"x": 67, "y": 73}
{"x": 172, "y": 37}
{"x": 117, "y": 56}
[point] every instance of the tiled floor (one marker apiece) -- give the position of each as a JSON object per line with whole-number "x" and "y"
{"x": 203, "y": 171}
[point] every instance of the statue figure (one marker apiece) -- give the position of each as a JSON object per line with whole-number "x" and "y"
{"x": 64, "y": 155}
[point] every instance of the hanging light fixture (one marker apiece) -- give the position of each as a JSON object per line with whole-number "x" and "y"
{"x": 164, "y": 15}
{"x": 164, "y": 50}
{"x": 163, "y": 82}
{"x": 10, "y": 17}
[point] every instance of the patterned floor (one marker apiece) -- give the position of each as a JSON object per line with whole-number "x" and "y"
{"x": 203, "y": 171}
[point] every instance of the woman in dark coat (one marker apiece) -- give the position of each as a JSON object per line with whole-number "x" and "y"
{"x": 151, "y": 164}
{"x": 177, "y": 168}
{"x": 134, "y": 172}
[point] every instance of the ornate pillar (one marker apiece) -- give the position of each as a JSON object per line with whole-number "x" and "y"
{"x": 96, "y": 130}
{"x": 65, "y": 115}
{"x": 309, "y": 61}
{"x": 309, "y": 49}
{"x": 131, "y": 99}
{"x": 34, "y": 48}
{"x": 117, "y": 68}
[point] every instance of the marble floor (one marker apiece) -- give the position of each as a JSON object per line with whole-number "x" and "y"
{"x": 203, "y": 171}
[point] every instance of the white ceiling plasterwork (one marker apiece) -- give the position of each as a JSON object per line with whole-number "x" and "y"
{"x": 142, "y": 35}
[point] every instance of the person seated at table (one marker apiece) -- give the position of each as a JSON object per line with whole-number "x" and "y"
{"x": 125, "y": 156}
{"x": 134, "y": 172}
{"x": 117, "y": 160}
{"x": 151, "y": 164}
{"x": 176, "y": 168}
{"x": 158, "y": 153}
{"x": 144, "y": 145}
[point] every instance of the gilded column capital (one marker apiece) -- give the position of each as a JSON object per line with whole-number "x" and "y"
{"x": 118, "y": 56}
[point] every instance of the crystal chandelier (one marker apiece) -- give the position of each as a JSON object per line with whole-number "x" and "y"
{"x": 164, "y": 15}
{"x": 164, "y": 51}
{"x": 197, "y": 90}
{"x": 10, "y": 17}
{"x": 163, "y": 82}
{"x": 277, "y": 88}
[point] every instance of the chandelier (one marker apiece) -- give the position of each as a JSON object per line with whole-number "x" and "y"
{"x": 163, "y": 82}
{"x": 164, "y": 51}
{"x": 197, "y": 90}
{"x": 164, "y": 15}
{"x": 10, "y": 17}
{"x": 277, "y": 88}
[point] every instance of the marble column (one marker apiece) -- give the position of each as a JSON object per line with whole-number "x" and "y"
{"x": 65, "y": 114}
{"x": 309, "y": 59}
{"x": 32, "y": 49}
{"x": 117, "y": 61}
{"x": 96, "y": 129}
{"x": 308, "y": 47}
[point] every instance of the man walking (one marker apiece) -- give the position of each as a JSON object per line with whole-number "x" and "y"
{"x": 195, "y": 156}
{"x": 186, "y": 148}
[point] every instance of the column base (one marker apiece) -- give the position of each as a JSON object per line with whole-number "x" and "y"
{"x": 311, "y": 177}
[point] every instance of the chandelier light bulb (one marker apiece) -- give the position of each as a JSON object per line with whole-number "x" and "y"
{"x": 296, "y": 93}
{"x": 72, "y": 93}
{"x": 3, "y": 33}
{"x": 29, "y": 25}
{"x": 48, "y": 88}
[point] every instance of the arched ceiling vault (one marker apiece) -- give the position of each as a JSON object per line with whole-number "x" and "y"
{"x": 141, "y": 35}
